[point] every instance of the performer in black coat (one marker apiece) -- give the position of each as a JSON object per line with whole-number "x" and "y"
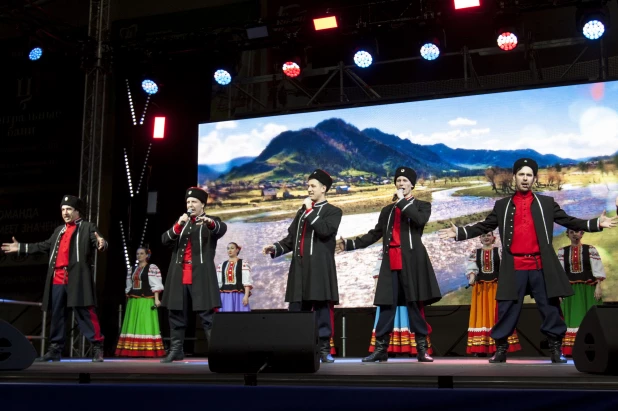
{"x": 191, "y": 282}
{"x": 70, "y": 282}
{"x": 406, "y": 275}
{"x": 529, "y": 262}
{"x": 312, "y": 280}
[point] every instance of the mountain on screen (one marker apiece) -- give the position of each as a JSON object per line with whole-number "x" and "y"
{"x": 213, "y": 171}
{"x": 338, "y": 147}
{"x": 485, "y": 158}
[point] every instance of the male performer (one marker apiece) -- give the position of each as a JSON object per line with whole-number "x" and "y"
{"x": 585, "y": 272}
{"x": 529, "y": 262}
{"x": 406, "y": 275}
{"x": 312, "y": 280}
{"x": 191, "y": 282}
{"x": 70, "y": 283}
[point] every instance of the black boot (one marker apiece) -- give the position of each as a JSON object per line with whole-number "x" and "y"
{"x": 380, "y": 353}
{"x": 421, "y": 348}
{"x": 325, "y": 356}
{"x": 177, "y": 340}
{"x": 502, "y": 346}
{"x": 97, "y": 351}
{"x": 53, "y": 354}
{"x": 555, "y": 350}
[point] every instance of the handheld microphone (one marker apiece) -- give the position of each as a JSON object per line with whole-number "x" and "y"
{"x": 188, "y": 213}
{"x": 154, "y": 307}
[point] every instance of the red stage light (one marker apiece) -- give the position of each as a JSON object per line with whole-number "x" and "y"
{"x": 325, "y": 23}
{"x": 291, "y": 69}
{"x": 464, "y": 4}
{"x": 507, "y": 41}
{"x": 159, "y": 127}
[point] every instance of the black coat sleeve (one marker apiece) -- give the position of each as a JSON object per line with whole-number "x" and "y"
{"x": 417, "y": 211}
{"x": 371, "y": 237}
{"x": 475, "y": 230}
{"x": 573, "y": 223}
{"x": 219, "y": 229}
{"x": 169, "y": 237}
{"x": 41, "y": 247}
{"x": 327, "y": 225}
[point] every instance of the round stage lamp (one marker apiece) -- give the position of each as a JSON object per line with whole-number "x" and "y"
{"x": 430, "y": 51}
{"x": 363, "y": 59}
{"x": 35, "y": 53}
{"x": 222, "y": 77}
{"x": 507, "y": 41}
{"x": 593, "y": 29}
{"x": 150, "y": 87}
{"x": 291, "y": 69}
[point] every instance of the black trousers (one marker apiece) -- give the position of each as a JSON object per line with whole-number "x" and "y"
{"x": 386, "y": 321}
{"x": 508, "y": 310}
{"x": 322, "y": 310}
{"x": 87, "y": 318}
{"x": 179, "y": 318}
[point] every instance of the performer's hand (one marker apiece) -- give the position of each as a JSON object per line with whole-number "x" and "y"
{"x": 268, "y": 249}
{"x": 399, "y": 193}
{"x": 183, "y": 219}
{"x": 448, "y": 232}
{"x": 11, "y": 247}
{"x": 307, "y": 203}
{"x": 100, "y": 241}
{"x": 607, "y": 222}
{"x": 204, "y": 220}
{"x": 472, "y": 279}
{"x": 157, "y": 303}
{"x": 340, "y": 245}
{"x": 245, "y": 300}
{"x": 598, "y": 293}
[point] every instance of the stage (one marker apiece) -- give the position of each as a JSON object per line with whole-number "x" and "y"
{"x": 448, "y": 383}
{"x": 518, "y": 373}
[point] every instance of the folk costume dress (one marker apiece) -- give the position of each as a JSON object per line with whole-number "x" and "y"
{"x": 583, "y": 266}
{"x": 233, "y": 277}
{"x": 485, "y": 265}
{"x": 140, "y": 335}
{"x": 401, "y": 338}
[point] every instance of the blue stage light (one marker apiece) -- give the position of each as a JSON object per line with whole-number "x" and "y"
{"x": 593, "y": 29}
{"x": 150, "y": 87}
{"x": 35, "y": 53}
{"x": 430, "y": 51}
{"x": 363, "y": 59}
{"x": 223, "y": 77}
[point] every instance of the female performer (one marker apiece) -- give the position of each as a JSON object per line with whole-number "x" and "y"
{"x": 235, "y": 282}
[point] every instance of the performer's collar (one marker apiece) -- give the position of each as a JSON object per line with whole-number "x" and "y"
{"x": 72, "y": 223}
{"x": 523, "y": 194}
{"x": 319, "y": 203}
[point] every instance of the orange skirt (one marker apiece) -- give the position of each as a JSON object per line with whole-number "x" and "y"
{"x": 483, "y": 316}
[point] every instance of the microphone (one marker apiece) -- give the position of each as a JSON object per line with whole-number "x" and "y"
{"x": 188, "y": 213}
{"x": 154, "y": 307}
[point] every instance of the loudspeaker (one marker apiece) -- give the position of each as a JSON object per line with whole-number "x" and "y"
{"x": 245, "y": 342}
{"x": 16, "y": 352}
{"x": 596, "y": 341}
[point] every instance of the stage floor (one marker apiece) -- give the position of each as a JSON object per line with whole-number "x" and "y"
{"x": 520, "y": 373}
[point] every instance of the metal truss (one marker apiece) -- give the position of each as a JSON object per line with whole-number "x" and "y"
{"x": 96, "y": 66}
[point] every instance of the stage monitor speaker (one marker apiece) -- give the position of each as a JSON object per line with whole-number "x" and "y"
{"x": 596, "y": 341}
{"x": 16, "y": 352}
{"x": 268, "y": 342}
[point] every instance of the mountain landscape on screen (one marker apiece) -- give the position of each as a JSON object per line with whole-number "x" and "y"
{"x": 345, "y": 148}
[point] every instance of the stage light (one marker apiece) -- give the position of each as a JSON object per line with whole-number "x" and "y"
{"x": 291, "y": 69}
{"x": 141, "y": 243}
{"x": 430, "y": 51}
{"x": 35, "y": 53}
{"x": 131, "y": 102}
{"x": 159, "y": 127}
{"x": 465, "y": 4}
{"x": 222, "y": 77}
{"x": 593, "y": 29}
{"x": 141, "y": 177}
{"x": 150, "y": 87}
{"x": 126, "y": 163}
{"x": 363, "y": 59}
{"x": 507, "y": 41}
{"x": 124, "y": 243}
{"x": 325, "y": 23}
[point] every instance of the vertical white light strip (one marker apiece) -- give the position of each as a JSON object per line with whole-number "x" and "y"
{"x": 141, "y": 121}
{"x": 126, "y": 163}
{"x": 131, "y": 102}
{"x": 141, "y": 177}
{"x": 124, "y": 245}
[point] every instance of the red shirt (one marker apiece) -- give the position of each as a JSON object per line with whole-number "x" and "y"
{"x": 525, "y": 240}
{"x": 187, "y": 267}
{"x": 61, "y": 276}
{"x": 302, "y": 237}
{"x": 394, "y": 249}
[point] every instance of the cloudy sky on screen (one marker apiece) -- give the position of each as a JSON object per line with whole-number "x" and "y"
{"x": 571, "y": 122}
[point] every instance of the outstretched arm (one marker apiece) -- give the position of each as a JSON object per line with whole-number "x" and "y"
{"x": 471, "y": 231}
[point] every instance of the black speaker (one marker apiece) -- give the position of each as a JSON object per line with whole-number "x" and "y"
{"x": 596, "y": 341}
{"x": 16, "y": 352}
{"x": 269, "y": 342}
